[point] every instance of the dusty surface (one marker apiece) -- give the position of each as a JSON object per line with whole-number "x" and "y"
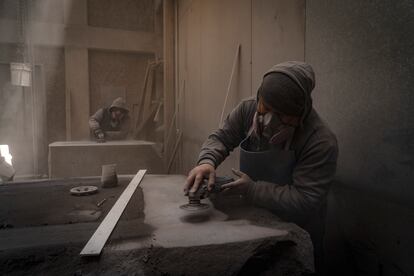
{"x": 152, "y": 238}
{"x": 174, "y": 227}
{"x": 50, "y": 203}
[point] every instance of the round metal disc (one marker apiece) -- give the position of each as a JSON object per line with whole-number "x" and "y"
{"x": 84, "y": 190}
{"x": 195, "y": 207}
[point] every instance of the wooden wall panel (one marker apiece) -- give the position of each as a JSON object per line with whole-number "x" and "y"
{"x": 208, "y": 35}
{"x": 278, "y": 34}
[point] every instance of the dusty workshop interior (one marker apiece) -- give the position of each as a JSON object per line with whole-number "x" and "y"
{"x": 74, "y": 201}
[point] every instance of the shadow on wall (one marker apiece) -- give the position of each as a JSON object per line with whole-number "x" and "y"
{"x": 362, "y": 53}
{"x": 365, "y": 234}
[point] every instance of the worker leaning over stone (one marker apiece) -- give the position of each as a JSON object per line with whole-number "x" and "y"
{"x": 288, "y": 154}
{"x": 111, "y": 123}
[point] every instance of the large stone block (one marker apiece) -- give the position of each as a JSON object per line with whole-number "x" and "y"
{"x": 85, "y": 158}
{"x": 44, "y": 234}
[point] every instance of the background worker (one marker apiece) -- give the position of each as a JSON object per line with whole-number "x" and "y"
{"x": 288, "y": 154}
{"x": 111, "y": 123}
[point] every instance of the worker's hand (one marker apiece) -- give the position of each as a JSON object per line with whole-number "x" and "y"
{"x": 197, "y": 175}
{"x": 239, "y": 186}
{"x": 100, "y": 136}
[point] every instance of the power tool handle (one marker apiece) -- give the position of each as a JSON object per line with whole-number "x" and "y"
{"x": 220, "y": 180}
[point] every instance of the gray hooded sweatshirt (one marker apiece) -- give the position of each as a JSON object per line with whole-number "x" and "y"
{"x": 101, "y": 122}
{"x": 314, "y": 144}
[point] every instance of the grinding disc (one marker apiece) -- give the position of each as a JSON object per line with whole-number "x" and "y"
{"x": 84, "y": 190}
{"x": 195, "y": 207}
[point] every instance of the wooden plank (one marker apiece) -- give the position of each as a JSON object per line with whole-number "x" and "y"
{"x": 170, "y": 128}
{"x": 146, "y": 96}
{"x": 101, "y": 235}
{"x": 174, "y": 118}
{"x": 135, "y": 114}
{"x": 142, "y": 96}
{"x": 140, "y": 128}
{"x": 149, "y": 90}
{"x": 177, "y": 143}
{"x": 68, "y": 115}
{"x": 169, "y": 61}
{"x": 235, "y": 61}
{"x": 77, "y": 81}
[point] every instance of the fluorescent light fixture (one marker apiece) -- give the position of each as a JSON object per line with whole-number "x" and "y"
{"x": 4, "y": 151}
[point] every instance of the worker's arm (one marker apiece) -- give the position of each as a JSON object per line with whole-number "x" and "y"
{"x": 312, "y": 176}
{"x": 221, "y": 142}
{"x": 121, "y": 134}
{"x": 95, "y": 120}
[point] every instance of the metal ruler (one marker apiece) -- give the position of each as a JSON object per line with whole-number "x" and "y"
{"x": 102, "y": 233}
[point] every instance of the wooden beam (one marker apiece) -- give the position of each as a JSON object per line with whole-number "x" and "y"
{"x": 169, "y": 61}
{"x": 101, "y": 235}
{"x": 146, "y": 107}
{"x": 144, "y": 121}
{"x": 235, "y": 61}
{"x": 149, "y": 89}
{"x": 79, "y": 36}
{"x": 121, "y": 40}
{"x": 68, "y": 115}
{"x": 177, "y": 143}
{"x": 142, "y": 97}
{"x": 77, "y": 82}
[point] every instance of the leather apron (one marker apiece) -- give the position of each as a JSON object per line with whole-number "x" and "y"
{"x": 276, "y": 166}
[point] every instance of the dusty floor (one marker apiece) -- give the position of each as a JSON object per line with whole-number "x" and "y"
{"x": 44, "y": 229}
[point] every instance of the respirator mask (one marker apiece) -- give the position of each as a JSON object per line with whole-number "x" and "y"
{"x": 269, "y": 130}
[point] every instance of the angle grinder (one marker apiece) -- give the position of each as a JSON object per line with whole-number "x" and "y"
{"x": 194, "y": 200}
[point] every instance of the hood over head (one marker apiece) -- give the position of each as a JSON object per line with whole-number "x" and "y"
{"x": 287, "y": 87}
{"x": 119, "y": 103}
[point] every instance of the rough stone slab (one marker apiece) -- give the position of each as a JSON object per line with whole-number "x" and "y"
{"x": 48, "y": 202}
{"x": 237, "y": 239}
{"x": 163, "y": 196}
{"x": 85, "y": 158}
{"x": 62, "y": 235}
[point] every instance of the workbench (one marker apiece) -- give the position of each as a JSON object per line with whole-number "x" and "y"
{"x": 85, "y": 158}
{"x": 45, "y": 228}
